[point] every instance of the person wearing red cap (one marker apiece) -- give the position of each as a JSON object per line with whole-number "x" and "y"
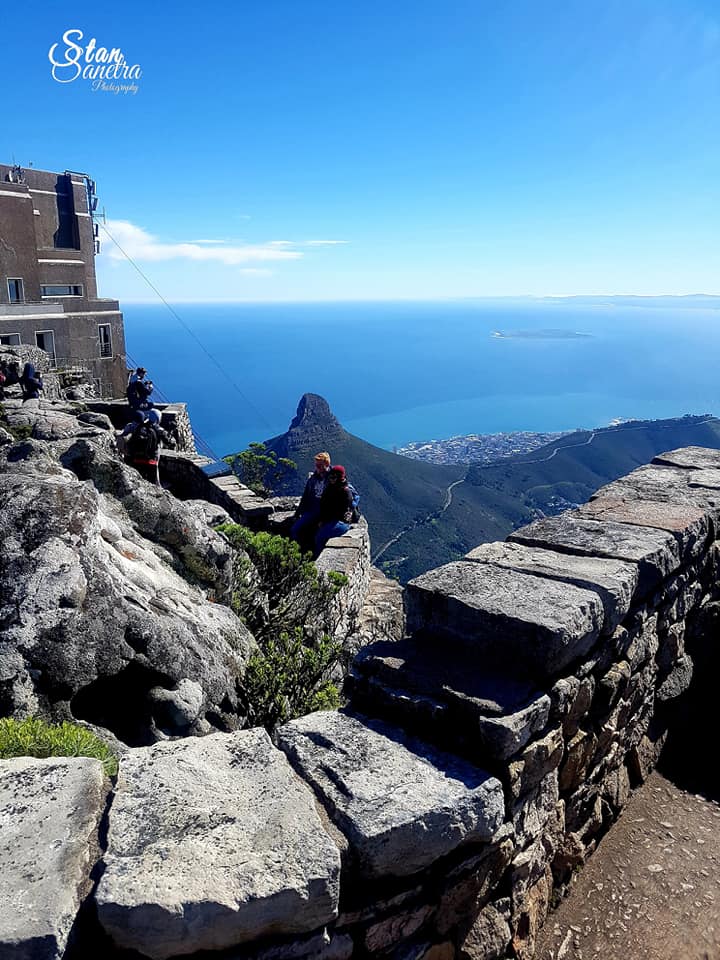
{"x": 335, "y": 508}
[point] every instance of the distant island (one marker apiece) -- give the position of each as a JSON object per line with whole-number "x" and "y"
{"x": 551, "y": 334}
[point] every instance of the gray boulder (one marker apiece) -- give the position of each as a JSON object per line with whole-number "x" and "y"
{"x": 214, "y": 842}
{"x": 180, "y": 527}
{"x": 50, "y": 811}
{"x": 47, "y": 420}
{"x": 93, "y": 619}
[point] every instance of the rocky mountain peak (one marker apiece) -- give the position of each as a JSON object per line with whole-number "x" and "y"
{"x": 313, "y": 424}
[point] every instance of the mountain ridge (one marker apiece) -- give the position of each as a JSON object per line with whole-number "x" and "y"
{"x": 423, "y": 514}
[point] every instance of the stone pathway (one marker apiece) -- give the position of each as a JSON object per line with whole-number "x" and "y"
{"x": 652, "y": 889}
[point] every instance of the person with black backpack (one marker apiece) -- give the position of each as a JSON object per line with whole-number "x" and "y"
{"x": 143, "y": 437}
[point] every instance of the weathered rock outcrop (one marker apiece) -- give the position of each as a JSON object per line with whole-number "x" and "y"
{"x": 313, "y": 424}
{"x": 95, "y": 614}
{"x": 55, "y": 420}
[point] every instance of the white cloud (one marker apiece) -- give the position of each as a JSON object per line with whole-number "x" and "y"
{"x": 138, "y": 244}
{"x": 324, "y": 243}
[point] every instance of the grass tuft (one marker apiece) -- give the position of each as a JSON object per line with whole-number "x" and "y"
{"x": 36, "y": 738}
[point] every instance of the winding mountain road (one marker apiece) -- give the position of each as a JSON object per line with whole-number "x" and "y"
{"x": 557, "y": 449}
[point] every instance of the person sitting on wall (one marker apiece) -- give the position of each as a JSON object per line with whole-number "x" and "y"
{"x": 31, "y": 383}
{"x": 139, "y": 390}
{"x": 143, "y": 437}
{"x": 336, "y": 508}
{"x": 307, "y": 514}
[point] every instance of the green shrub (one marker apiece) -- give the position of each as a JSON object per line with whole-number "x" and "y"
{"x": 36, "y": 738}
{"x": 291, "y": 678}
{"x": 288, "y": 606}
{"x": 259, "y": 468}
{"x": 297, "y": 594}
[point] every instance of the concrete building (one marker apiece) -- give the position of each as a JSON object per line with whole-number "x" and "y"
{"x": 48, "y": 289}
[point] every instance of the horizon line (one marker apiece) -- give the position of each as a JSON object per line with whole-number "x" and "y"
{"x": 435, "y": 299}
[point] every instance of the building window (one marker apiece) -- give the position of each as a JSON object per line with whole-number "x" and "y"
{"x": 61, "y": 290}
{"x": 16, "y": 290}
{"x": 10, "y": 339}
{"x": 45, "y": 339}
{"x": 105, "y": 339}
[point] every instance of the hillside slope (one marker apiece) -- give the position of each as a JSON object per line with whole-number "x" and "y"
{"x": 422, "y": 514}
{"x": 395, "y": 491}
{"x": 495, "y": 499}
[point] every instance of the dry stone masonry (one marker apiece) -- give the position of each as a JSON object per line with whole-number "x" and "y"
{"x": 478, "y": 763}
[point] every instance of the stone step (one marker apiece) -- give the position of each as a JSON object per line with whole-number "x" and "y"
{"x": 214, "y": 842}
{"x": 482, "y": 714}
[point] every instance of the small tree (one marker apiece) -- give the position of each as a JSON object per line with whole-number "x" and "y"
{"x": 297, "y": 593}
{"x": 260, "y": 469}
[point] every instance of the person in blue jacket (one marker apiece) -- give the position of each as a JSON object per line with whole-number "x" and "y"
{"x": 139, "y": 390}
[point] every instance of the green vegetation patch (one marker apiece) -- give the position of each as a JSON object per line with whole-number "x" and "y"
{"x": 288, "y": 605}
{"x": 291, "y": 678}
{"x": 36, "y": 738}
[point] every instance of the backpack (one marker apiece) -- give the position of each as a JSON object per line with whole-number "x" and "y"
{"x": 355, "y": 513}
{"x": 142, "y": 443}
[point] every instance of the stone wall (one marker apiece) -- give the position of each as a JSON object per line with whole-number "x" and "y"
{"x": 477, "y": 766}
{"x": 174, "y": 418}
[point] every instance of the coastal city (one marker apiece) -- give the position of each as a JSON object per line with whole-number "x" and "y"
{"x": 477, "y": 447}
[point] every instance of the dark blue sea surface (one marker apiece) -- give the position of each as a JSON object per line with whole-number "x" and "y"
{"x": 397, "y": 372}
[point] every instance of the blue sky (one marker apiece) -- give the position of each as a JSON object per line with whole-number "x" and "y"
{"x": 314, "y": 150}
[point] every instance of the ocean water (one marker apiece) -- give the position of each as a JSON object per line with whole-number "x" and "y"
{"x": 398, "y": 372}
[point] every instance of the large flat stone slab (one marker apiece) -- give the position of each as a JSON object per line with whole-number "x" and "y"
{"x": 214, "y": 841}
{"x": 49, "y": 816}
{"x": 693, "y": 457}
{"x": 656, "y": 552}
{"x": 706, "y": 479}
{"x": 401, "y": 803}
{"x": 613, "y": 580}
{"x": 669, "y": 485}
{"x": 501, "y": 616}
{"x": 689, "y": 523}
